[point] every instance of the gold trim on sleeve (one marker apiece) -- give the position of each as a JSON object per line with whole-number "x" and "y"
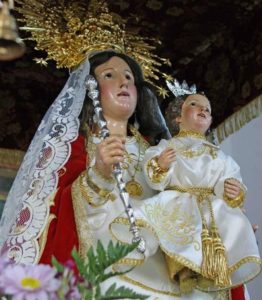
{"x": 235, "y": 202}
{"x": 90, "y": 191}
{"x": 101, "y": 192}
{"x": 85, "y": 236}
{"x": 100, "y": 175}
{"x": 155, "y": 173}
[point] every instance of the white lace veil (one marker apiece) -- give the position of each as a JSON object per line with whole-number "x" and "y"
{"x": 26, "y": 210}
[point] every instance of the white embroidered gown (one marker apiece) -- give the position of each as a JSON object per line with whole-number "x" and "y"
{"x": 174, "y": 216}
{"x": 150, "y": 276}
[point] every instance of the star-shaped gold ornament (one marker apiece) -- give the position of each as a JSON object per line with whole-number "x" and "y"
{"x": 162, "y": 92}
{"x": 41, "y": 61}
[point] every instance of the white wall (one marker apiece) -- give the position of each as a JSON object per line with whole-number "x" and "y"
{"x": 245, "y": 146}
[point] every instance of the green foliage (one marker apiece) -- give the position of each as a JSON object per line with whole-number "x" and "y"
{"x": 95, "y": 270}
{"x": 122, "y": 292}
{"x": 59, "y": 267}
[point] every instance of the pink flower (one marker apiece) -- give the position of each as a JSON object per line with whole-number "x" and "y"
{"x": 4, "y": 263}
{"x": 69, "y": 282}
{"x": 30, "y": 282}
{"x": 73, "y": 292}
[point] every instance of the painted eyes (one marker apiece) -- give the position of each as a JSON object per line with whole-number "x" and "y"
{"x": 129, "y": 77}
{"x": 110, "y": 75}
{"x": 195, "y": 104}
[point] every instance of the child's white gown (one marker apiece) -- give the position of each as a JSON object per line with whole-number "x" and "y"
{"x": 173, "y": 216}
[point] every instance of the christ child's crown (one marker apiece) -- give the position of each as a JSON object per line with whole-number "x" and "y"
{"x": 181, "y": 89}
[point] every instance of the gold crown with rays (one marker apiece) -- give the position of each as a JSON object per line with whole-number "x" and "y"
{"x": 69, "y": 31}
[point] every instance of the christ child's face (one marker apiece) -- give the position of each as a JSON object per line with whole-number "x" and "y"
{"x": 195, "y": 114}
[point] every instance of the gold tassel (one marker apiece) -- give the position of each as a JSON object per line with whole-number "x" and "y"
{"x": 214, "y": 262}
{"x": 220, "y": 261}
{"x": 207, "y": 253}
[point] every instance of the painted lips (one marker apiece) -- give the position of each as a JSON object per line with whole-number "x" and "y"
{"x": 202, "y": 115}
{"x": 126, "y": 94}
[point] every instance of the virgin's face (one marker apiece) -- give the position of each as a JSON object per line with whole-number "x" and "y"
{"x": 195, "y": 114}
{"x": 118, "y": 93}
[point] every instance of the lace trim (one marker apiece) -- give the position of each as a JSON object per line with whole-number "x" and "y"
{"x": 38, "y": 175}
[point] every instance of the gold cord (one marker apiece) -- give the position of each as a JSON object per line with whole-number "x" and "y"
{"x": 214, "y": 261}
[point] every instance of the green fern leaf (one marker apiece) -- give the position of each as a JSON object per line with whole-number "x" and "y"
{"x": 60, "y": 268}
{"x": 104, "y": 277}
{"x": 118, "y": 251}
{"x": 121, "y": 293}
{"x": 80, "y": 263}
{"x": 102, "y": 257}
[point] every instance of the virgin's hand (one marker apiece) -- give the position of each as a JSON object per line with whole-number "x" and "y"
{"x": 109, "y": 152}
{"x": 232, "y": 188}
{"x": 166, "y": 158}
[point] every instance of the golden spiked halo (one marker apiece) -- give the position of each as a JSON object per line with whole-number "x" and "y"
{"x": 69, "y": 31}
